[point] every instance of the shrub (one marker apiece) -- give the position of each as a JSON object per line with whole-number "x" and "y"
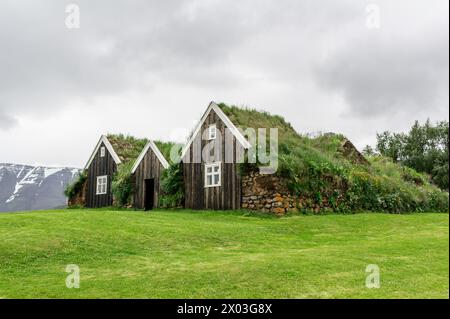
{"x": 75, "y": 187}
{"x": 122, "y": 186}
{"x": 172, "y": 187}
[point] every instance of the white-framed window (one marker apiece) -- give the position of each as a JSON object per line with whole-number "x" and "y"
{"x": 213, "y": 174}
{"x": 102, "y": 151}
{"x": 102, "y": 185}
{"x": 212, "y": 132}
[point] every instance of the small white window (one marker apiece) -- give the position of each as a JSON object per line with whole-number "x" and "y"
{"x": 102, "y": 151}
{"x": 102, "y": 185}
{"x": 212, "y": 132}
{"x": 212, "y": 175}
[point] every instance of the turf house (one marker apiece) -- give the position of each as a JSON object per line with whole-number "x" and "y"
{"x": 117, "y": 173}
{"x": 320, "y": 174}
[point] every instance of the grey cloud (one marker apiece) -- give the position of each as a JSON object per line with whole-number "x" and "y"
{"x": 385, "y": 72}
{"x": 44, "y": 65}
{"x": 133, "y": 45}
{"x": 6, "y": 122}
{"x": 120, "y": 47}
{"x": 285, "y": 56}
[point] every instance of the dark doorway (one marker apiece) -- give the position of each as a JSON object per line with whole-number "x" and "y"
{"x": 149, "y": 193}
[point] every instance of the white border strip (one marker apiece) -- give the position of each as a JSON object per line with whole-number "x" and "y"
{"x": 157, "y": 152}
{"x": 104, "y": 140}
{"x": 225, "y": 119}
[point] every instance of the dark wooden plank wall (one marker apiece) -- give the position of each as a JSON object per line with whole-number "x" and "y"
{"x": 150, "y": 167}
{"x": 226, "y": 196}
{"x": 100, "y": 166}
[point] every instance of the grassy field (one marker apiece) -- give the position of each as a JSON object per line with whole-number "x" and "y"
{"x": 184, "y": 254}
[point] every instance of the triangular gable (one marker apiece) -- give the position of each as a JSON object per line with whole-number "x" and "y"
{"x": 104, "y": 140}
{"x": 225, "y": 119}
{"x": 155, "y": 150}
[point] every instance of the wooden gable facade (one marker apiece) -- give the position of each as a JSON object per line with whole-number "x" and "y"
{"x": 100, "y": 169}
{"x": 227, "y": 193}
{"x": 147, "y": 173}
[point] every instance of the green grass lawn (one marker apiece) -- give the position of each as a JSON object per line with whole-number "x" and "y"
{"x": 184, "y": 254}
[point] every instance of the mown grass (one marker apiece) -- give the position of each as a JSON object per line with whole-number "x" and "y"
{"x": 185, "y": 254}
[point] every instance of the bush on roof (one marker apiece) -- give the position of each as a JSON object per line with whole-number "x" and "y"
{"x": 127, "y": 147}
{"x": 165, "y": 148}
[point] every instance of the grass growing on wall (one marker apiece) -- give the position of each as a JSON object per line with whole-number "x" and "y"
{"x": 76, "y": 186}
{"x": 172, "y": 187}
{"x": 122, "y": 184}
{"x": 325, "y": 176}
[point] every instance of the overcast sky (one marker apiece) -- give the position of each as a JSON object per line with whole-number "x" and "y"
{"x": 150, "y": 68}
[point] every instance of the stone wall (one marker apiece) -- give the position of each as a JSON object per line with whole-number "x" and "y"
{"x": 266, "y": 193}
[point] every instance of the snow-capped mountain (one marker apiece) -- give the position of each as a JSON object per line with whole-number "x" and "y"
{"x": 24, "y": 187}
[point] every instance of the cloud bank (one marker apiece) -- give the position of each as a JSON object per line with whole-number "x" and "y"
{"x": 316, "y": 63}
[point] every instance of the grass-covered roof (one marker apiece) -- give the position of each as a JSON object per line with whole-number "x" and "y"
{"x": 329, "y": 171}
{"x": 127, "y": 147}
{"x": 336, "y": 145}
{"x": 165, "y": 148}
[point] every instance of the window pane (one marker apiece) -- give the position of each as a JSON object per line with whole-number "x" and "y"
{"x": 212, "y": 132}
{"x": 216, "y": 179}
{"x": 216, "y": 169}
{"x": 102, "y": 185}
{"x": 209, "y": 180}
{"x": 209, "y": 169}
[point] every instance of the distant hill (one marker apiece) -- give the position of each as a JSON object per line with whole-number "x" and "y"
{"x": 24, "y": 187}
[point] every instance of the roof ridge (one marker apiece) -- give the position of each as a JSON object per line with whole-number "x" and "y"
{"x": 156, "y": 150}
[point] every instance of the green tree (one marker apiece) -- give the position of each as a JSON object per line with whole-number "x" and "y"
{"x": 368, "y": 151}
{"x": 391, "y": 145}
{"x": 424, "y": 148}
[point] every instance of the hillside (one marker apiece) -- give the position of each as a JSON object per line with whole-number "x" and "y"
{"x": 329, "y": 174}
{"x": 24, "y": 187}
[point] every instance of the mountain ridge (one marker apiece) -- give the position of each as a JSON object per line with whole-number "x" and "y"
{"x": 27, "y": 187}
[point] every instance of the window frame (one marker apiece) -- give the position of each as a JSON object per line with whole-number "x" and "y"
{"x": 212, "y": 174}
{"x": 99, "y": 186}
{"x": 212, "y": 128}
{"x": 102, "y": 151}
